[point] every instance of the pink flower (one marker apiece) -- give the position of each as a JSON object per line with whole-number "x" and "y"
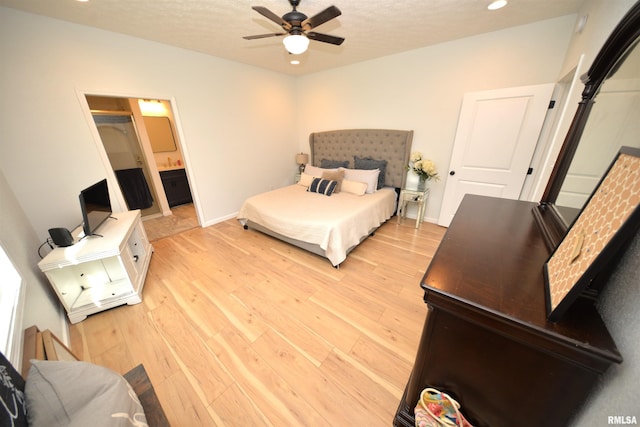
{"x": 435, "y": 409}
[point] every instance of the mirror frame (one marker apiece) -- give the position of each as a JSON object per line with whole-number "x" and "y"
{"x": 624, "y": 36}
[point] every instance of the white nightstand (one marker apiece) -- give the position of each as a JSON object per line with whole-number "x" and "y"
{"x": 412, "y": 195}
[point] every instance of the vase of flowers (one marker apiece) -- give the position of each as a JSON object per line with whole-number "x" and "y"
{"x": 424, "y": 168}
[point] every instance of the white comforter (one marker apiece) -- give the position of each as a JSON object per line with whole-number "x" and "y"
{"x": 335, "y": 223}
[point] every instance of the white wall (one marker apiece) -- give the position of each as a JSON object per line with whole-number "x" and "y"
{"x": 237, "y": 122}
{"x": 19, "y": 241}
{"x": 423, "y": 89}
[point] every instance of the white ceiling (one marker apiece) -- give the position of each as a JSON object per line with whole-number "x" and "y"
{"x": 372, "y": 28}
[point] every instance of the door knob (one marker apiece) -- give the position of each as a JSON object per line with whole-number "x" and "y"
{"x": 452, "y": 173}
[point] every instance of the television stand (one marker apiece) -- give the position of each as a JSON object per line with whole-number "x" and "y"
{"x": 98, "y": 273}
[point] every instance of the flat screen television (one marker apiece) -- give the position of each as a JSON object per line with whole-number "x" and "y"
{"x": 96, "y": 206}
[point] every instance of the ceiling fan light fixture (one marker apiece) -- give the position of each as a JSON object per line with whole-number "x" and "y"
{"x": 296, "y": 43}
{"x": 497, "y": 4}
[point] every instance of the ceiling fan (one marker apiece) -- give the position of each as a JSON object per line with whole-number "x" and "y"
{"x": 298, "y": 26}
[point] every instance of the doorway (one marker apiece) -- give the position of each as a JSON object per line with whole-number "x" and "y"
{"x": 140, "y": 140}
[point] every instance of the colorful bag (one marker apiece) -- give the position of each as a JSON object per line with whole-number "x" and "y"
{"x": 438, "y": 409}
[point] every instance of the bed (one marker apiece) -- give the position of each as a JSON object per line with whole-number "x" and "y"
{"x": 333, "y": 226}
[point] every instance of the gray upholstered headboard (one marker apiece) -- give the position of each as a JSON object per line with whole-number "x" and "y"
{"x": 394, "y": 146}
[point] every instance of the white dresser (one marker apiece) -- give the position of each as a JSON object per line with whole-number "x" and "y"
{"x": 100, "y": 272}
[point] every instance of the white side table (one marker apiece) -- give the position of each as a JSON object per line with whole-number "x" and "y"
{"x": 412, "y": 195}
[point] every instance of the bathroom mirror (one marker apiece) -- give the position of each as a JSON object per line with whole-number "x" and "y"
{"x": 160, "y": 133}
{"x": 607, "y": 118}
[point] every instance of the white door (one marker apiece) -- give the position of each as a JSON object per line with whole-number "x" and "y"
{"x": 495, "y": 140}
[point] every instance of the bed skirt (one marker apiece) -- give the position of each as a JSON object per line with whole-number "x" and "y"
{"x": 310, "y": 247}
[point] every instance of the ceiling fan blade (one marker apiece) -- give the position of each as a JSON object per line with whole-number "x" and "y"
{"x": 320, "y": 18}
{"x": 262, "y": 36}
{"x": 326, "y": 38}
{"x": 272, "y": 16}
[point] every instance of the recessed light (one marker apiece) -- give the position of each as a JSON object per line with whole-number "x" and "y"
{"x": 294, "y": 62}
{"x": 497, "y": 4}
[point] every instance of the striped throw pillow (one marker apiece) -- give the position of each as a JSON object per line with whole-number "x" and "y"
{"x": 322, "y": 186}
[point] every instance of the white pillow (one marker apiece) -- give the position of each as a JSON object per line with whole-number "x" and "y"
{"x": 306, "y": 179}
{"x": 362, "y": 175}
{"x": 354, "y": 187}
{"x": 316, "y": 171}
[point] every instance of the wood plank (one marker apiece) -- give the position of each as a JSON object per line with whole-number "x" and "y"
{"x": 181, "y": 403}
{"x": 138, "y": 330}
{"x": 32, "y": 348}
{"x": 338, "y": 407}
{"x": 234, "y": 407}
{"x": 371, "y": 328}
{"x": 275, "y": 398}
{"x": 309, "y": 343}
{"x": 382, "y": 361}
{"x": 200, "y": 366}
{"x": 140, "y": 382}
{"x": 371, "y": 391}
{"x": 334, "y": 329}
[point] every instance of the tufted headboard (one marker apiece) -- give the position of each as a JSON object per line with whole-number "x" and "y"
{"x": 394, "y": 146}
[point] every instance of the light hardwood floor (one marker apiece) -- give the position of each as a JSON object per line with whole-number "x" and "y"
{"x": 237, "y": 328}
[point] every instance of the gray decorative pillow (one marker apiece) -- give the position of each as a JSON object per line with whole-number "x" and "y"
{"x": 333, "y": 164}
{"x": 80, "y": 394}
{"x": 13, "y": 408}
{"x": 368, "y": 163}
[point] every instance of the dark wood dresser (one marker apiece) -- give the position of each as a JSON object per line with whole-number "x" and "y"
{"x": 486, "y": 340}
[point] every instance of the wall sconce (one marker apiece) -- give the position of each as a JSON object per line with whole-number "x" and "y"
{"x": 302, "y": 159}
